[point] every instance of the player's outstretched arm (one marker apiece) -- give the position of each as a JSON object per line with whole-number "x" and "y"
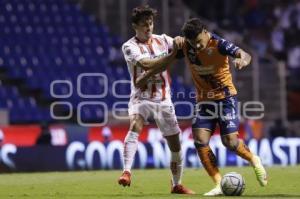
{"x": 242, "y": 59}
{"x": 153, "y": 67}
{"x": 160, "y": 62}
{"x": 158, "y": 65}
{"x": 142, "y": 80}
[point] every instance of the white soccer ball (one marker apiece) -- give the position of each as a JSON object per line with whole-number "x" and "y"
{"x": 233, "y": 184}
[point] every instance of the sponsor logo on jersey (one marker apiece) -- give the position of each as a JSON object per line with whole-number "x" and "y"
{"x": 209, "y": 51}
{"x": 204, "y": 70}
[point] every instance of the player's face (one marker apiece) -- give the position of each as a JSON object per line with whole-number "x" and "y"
{"x": 201, "y": 41}
{"x": 144, "y": 28}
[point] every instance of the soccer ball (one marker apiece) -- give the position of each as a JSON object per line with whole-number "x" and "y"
{"x": 233, "y": 184}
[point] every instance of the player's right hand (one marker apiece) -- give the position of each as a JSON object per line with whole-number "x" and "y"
{"x": 178, "y": 42}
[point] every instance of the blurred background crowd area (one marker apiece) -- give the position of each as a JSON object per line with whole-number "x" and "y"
{"x": 46, "y": 41}
{"x": 267, "y": 26}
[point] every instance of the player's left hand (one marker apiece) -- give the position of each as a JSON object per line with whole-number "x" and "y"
{"x": 140, "y": 81}
{"x": 242, "y": 59}
{"x": 239, "y": 63}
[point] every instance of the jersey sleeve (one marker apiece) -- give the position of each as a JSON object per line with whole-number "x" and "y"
{"x": 226, "y": 47}
{"x": 132, "y": 53}
{"x": 169, "y": 41}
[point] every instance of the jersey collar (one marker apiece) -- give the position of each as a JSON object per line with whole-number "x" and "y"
{"x": 148, "y": 42}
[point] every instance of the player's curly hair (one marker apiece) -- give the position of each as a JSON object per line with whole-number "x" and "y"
{"x": 192, "y": 28}
{"x": 142, "y": 12}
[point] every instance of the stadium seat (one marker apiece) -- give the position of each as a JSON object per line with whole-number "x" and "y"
{"x": 43, "y": 41}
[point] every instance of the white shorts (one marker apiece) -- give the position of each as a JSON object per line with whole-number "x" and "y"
{"x": 162, "y": 112}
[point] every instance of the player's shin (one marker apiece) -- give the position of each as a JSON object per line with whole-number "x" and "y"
{"x": 209, "y": 161}
{"x": 130, "y": 147}
{"x": 243, "y": 151}
{"x": 176, "y": 166}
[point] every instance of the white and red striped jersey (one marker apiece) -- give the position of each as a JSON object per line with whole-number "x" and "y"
{"x": 158, "y": 86}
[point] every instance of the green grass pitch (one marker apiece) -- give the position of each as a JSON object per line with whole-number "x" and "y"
{"x": 284, "y": 182}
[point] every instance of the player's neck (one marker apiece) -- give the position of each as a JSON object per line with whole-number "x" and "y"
{"x": 142, "y": 40}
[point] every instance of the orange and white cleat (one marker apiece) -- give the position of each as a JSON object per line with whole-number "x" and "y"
{"x": 125, "y": 179}
{"x": 180, "y": 189}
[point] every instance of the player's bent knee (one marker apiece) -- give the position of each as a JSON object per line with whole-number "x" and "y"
{"x": 136, "y": 126}
{"x": 230, "y": 143}
{"x": 174, "y": 143}
{"x": 201, "y": 138}
{"x": 198, "y": 144}
{"x": 174, "y": 148}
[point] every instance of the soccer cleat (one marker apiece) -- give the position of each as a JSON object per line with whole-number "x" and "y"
{"x": 260, "y": 172}
{"x": 180, "y": 189}
{"x": 125, "y": 179}
{"x": 217, "y": 191}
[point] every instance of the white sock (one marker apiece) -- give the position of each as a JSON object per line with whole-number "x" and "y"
{"x": 130, "y": 147}
{"x": 176, "y": 167}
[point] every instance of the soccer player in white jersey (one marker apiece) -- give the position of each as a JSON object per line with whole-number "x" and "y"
{"x": 151, "y": 98}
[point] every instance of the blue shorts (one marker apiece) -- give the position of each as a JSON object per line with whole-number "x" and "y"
{"x": 223, "y": 112}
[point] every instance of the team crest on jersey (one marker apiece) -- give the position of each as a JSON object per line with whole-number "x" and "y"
{"x": 127, "y": 51}
{"x": 171, "y": 109}
{"x": 209, "y": 51}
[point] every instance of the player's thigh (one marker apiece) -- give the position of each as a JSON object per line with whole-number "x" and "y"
{"x": 142, "y": 108}
{"x": 228, "y": 119}
{"x": 204, "y": 122}
{"x": 138, "y": 114}
{"x": 166, "y": 120}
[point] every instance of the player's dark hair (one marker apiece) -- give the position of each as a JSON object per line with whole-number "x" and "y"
{"x": 142, "y": 12}
{"x": 192, "y": 28}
